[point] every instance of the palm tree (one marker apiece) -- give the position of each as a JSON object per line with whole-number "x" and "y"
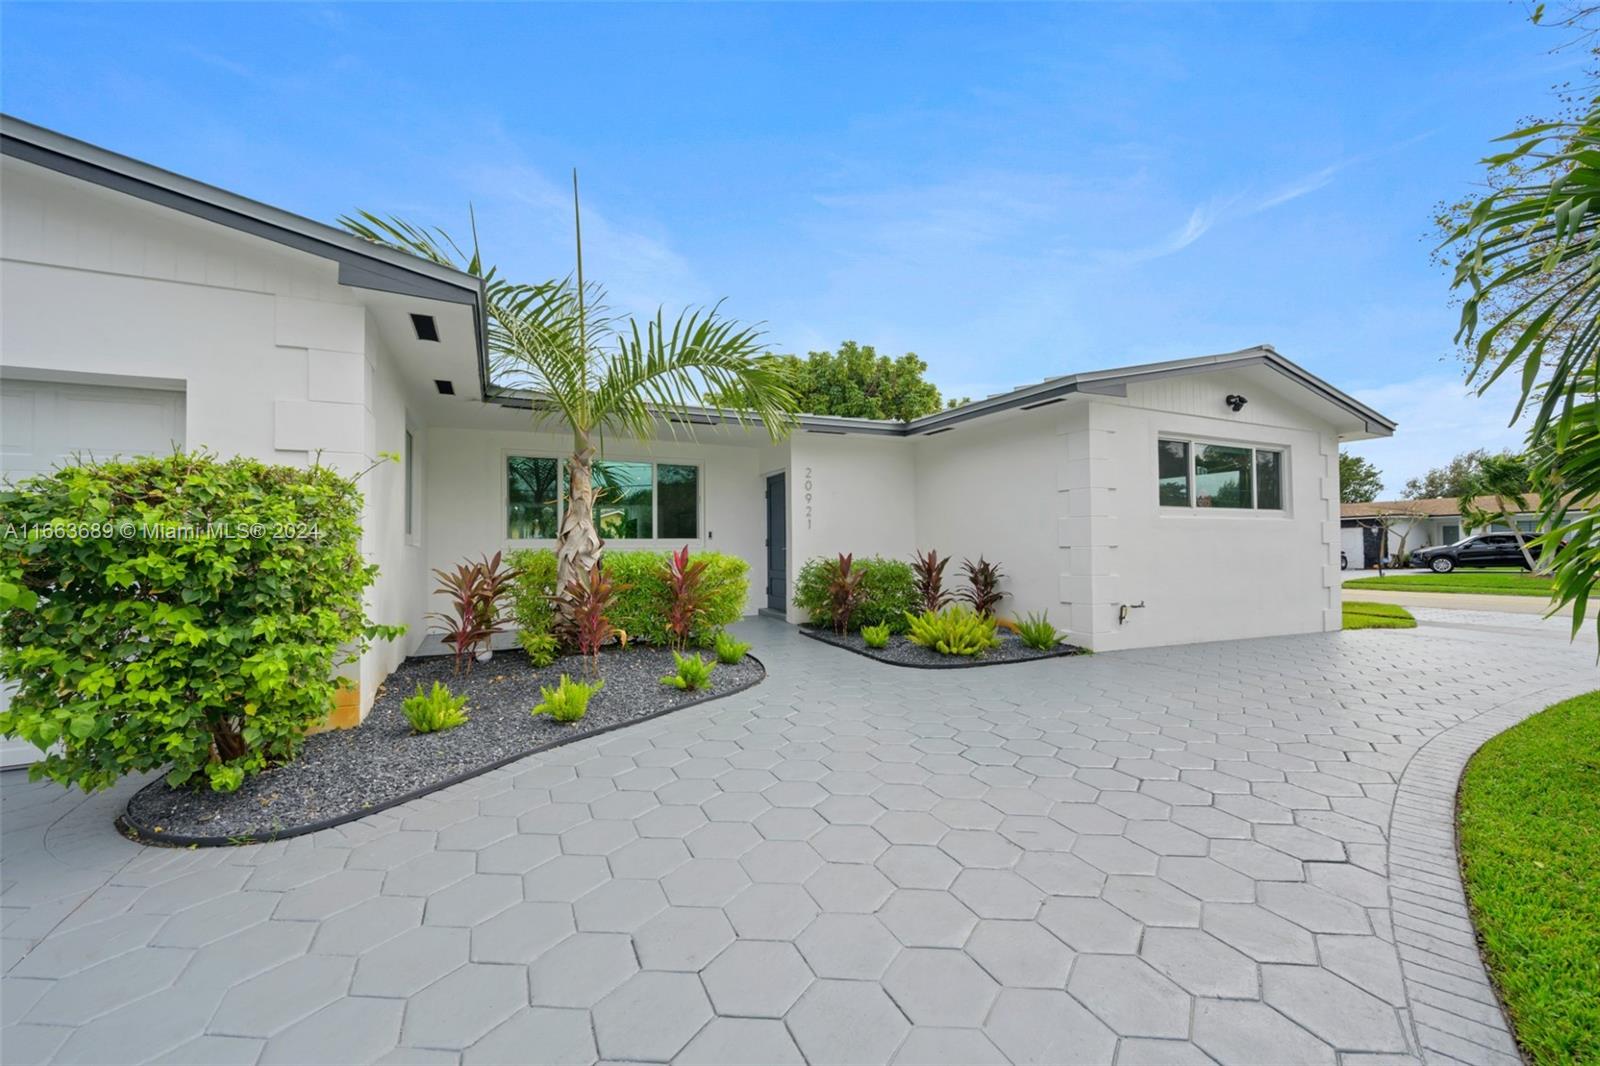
{"x": 596, "y": 373}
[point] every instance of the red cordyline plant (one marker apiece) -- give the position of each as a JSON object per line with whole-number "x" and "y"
{"x": 983, "y": 585}
{"x": 686, "y": 587}
{"x": 477, "y": 592}
{"x": 845, "y": 593}
{"x": 590, "y": 628}
{"x": 929, "y": 572}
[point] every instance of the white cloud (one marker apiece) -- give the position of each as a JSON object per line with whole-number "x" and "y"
{"x": 1438, "y": 418}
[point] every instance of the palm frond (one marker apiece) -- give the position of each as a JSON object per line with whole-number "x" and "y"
{"x": 702, "y": 360}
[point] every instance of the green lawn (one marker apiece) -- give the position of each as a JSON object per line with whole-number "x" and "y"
{"x": 1487, "y": 582}
{"x": 1529, "y": 819}
{"x": 1360, "y": 615}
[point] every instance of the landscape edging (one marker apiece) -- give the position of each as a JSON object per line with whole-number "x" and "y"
{"x": 1434, "y": 934}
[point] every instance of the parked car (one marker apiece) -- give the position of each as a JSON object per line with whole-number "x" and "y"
{"x": 1485, "y": 549}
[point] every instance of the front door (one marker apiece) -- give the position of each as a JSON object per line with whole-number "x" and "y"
{"x": 777, "y": 545}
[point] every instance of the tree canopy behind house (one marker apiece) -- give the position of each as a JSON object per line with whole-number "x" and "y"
{"x": 1359, "y": 480}
{"x": 857, "y": 382}
{"x": 1457, "y": 477}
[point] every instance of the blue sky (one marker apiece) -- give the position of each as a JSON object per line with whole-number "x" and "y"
{"x": 1010, "y": 191}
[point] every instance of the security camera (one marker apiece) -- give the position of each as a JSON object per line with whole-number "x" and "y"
{"x": 1236, "y": 401}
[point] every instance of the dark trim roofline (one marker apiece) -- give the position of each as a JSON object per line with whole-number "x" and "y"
{"x": 361, "y": 263}
{"x": 1094, "y": 383}
{"x": 1115, "y": 382}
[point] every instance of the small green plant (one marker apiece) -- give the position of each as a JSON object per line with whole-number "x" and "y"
{"x": 1038, "y": 632}
{"x": 730, "y": 649}
{"x": 541, "y": 647}
{"x": 956, "y": 630}
{"x": 434, "y": 711}
{"x": 569, "y": 701}
{"x": 693, "y": 672}
{"x": 876, "y": 636}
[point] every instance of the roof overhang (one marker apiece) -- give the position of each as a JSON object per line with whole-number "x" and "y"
{"x": 1112, "y": 382}
{"x": 361, "y": 264}
{"x": 1115, "y": 382}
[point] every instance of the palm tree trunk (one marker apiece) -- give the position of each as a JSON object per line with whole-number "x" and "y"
{"x": 578, "y": 544}
{"x": 1522, "y": 544}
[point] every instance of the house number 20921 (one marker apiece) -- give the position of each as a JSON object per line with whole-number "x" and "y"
{"x": 808, "y": 497}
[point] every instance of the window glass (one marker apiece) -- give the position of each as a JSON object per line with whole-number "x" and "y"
{"x": 678, "y": 489}
{"x": 1172, "y": 462}
{"x": 623, "y": 500}
{"x": 531, "y": 498}
{"x": 1528, "y": 525}
{"x": 1269, "y": 481}
{"x": 1221, "y": 476}
{"x": 410, "y": 476}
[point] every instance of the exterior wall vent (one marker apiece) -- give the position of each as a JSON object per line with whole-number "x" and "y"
{"x": 427, "y": 329}
{"x": 446, "y": 388}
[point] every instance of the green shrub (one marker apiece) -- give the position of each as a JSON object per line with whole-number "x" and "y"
{"x": 693, "y": 672}
{"x": 956, "y": 630}
{"x": 434, "y": 711}
{"x": 730, "y": 650}
{"x": 888, "y": 586}
{"x": 181, "y": 612}
{"x": 541, "y": 647}
{"x": 1038, "y": 632}
{"x": 875, "y": 636}
{"x": 642, "y": 608}
{"x": 568, "y": 701}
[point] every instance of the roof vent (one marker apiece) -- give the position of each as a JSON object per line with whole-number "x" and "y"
{"x": 427, "y": 329}
{"x": 445, "y": 388}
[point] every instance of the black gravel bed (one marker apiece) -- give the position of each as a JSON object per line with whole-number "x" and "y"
{"x": 348, "y": 773}
{"x": 901, "y": 652}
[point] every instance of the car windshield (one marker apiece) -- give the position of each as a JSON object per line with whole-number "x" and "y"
{"x": 1462, "y": 541}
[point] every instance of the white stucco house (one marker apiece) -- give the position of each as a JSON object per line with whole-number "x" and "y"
{"x": 1190, "y": 500}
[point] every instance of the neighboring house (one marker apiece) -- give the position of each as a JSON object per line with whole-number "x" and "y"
{"x": 1417, "y": 524}
{"x": 1190, "y": 500}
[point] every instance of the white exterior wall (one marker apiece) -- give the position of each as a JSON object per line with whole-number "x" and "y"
{"x": 277, "y": 361}
{"x": 851, "y": 493}
{"x": 1201, "y": 573}
{"x": 465, "y": 512}
{"x": 995, "y": 488}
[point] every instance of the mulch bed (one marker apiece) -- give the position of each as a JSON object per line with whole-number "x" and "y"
{"x": 349, "y": 773}
{"x": 901, "y": 652}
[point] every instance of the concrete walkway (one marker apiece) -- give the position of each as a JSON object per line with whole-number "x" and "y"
{"x": 1235, "y": 852}
{"x": 1457, "y": 601}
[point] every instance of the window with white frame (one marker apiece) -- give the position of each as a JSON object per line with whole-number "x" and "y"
{"x": 1194, "y": 473}
{"x": 633, "y": 500}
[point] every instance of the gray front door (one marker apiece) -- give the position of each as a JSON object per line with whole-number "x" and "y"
{"x": 777, "y": 545}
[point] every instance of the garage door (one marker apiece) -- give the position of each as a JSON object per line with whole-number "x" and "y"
{"x": 43, "y": 425}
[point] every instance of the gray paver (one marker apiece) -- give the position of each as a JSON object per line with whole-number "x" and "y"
{"x": 934, "y": 986}
{"x": 1043, "y": 862}
{"x": 757, "y": 979}
{"x": 847, "y": 1022}
{"x": 651, "y": 1017}
{"x": 457, "y": 1011}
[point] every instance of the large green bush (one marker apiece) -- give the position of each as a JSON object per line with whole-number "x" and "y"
{"x": 641, "y": 609}
{"x": 181, "y": 612}
{"x": 889, "y": 584}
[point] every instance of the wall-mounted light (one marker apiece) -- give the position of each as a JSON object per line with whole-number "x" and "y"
{"x": 1235, "y": 401}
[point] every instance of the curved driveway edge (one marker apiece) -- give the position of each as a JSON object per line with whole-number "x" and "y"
{"x": 1455, "y": 1009}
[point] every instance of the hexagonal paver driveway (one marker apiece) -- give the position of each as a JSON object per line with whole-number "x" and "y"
{"x": 1174, "y": 855}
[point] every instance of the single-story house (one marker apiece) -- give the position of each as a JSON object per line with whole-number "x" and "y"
{"x": 1189, "y": 500}
{"x": 1422, "y": 523}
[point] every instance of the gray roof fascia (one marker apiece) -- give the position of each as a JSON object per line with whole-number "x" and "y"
{"x": 361, "y": 263}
